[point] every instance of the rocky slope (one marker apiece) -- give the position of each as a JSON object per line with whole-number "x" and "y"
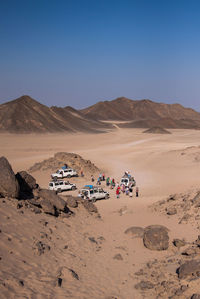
{"x": 72, "y": 160}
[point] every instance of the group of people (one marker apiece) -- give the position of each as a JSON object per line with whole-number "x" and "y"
{"x": 101, "y": 178}
{"x": 128, "y": 190}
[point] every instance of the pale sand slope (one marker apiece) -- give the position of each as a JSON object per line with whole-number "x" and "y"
{"x": 159, "y": 171}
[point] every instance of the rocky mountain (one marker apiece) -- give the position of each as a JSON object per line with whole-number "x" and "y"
{"x": 144, "y": 113}
{"x": 25, "y": 115}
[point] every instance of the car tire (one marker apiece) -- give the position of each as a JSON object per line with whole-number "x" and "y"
{"x": 106, "y": 196}
{"x": 94, "y": 200}
{"x": 73, "y": 188}
{"x": 68, "y": 176}
{"x": 59, "y": 190}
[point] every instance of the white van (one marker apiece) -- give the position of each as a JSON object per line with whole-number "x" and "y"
{"x": 64, "y": 173}
{"x": 93, "y": 194}
{"x": 60, "y": 186}
{"x": 127, "y": 181}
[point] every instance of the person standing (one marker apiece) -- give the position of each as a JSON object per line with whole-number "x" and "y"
{"x": 130, "y": 191}
{"x": 108, "y": 181}
{"x": 103, "y": 177}
{"x": 137, "y": 191}
{"x": 92, "y": 178}
{"x": 118, "y": 192}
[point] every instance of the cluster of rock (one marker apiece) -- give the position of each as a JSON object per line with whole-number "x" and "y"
{"x": 185, "y": 207}
{"x": 177, "y": 274}
{"x": 72, "y": 160}
{"x": 173, "y": 276}
{"x": 24, "y": 188}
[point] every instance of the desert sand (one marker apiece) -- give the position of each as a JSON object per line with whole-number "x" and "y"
{"x": 162, "y": 165}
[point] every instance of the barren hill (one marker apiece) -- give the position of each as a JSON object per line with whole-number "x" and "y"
{"x": 144, "y": 113}
{"x": 25, "y": 115}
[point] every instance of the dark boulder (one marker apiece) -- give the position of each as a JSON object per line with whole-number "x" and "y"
{"x": 190, "y": 269}
{"x": 195, "y": 296}
{"x": 27, "y": 183}
{"x": 48, "y": 207}
{"x": 9, "y": 186}
{"x": 51, "y": 203}
{"x": 156, "y": 237}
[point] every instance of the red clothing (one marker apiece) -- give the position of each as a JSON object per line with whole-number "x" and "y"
{"x": 118, "y": 191}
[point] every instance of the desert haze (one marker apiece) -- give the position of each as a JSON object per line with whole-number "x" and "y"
{"x": 105, "y": 253}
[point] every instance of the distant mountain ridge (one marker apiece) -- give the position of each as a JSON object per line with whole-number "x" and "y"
{"x": 144, "y": 114}
{"x": 26, "y": 115}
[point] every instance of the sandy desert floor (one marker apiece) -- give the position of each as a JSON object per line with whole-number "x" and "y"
{"x": 161, "y": 164}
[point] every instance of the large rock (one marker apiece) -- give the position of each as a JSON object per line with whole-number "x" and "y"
{"x": 156, "y": 237}
{"x": 135, "y": 231}
{"x": 26, "y": 182}
{"x": 190, "y": 269}
{"x": 72, "y": 202}
{"x": 9, "y": 186}
{"x": 49, "y": 200}
{"x": 89, "y": 206}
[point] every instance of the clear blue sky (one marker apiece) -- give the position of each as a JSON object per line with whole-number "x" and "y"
{"x": 80, "y": 52}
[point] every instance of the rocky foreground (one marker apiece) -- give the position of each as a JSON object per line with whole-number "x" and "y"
{"x": 49, "y": 247}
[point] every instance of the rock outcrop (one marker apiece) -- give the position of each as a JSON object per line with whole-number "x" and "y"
{"x": 190, "y": 269}
{"x": 9, "y": 186}
{"x": 27, "y": 184}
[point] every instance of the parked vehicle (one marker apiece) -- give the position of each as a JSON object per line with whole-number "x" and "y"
{"x": 60, "y": 186}
{"x": 64, "y": 173}
{"x": 92, "y": 193}
{"x": 127, "y": 181}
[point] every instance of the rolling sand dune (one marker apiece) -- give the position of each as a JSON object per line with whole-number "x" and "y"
{"x": 106, "y": 260}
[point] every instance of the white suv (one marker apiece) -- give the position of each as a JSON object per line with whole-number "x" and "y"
{"x": 64, "y": 173}
{"x": 93, "y": 193}
{"x": 60, "y": 186}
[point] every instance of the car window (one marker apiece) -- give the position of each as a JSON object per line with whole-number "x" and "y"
{"x": 91, "y": 191}
{"x": 56, "y": 184}
{"x": 51, "y": 184}
{"x": 66, "y": 183}
{"x": 61, "y": 183}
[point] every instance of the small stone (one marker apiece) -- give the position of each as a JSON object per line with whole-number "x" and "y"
{"x": 118, "y": 257}
{"x": 144, "y": 285}
{"x": 21, "y": 283}
{"x": 179, "y": 243}
{"x": 171, "y": 211}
